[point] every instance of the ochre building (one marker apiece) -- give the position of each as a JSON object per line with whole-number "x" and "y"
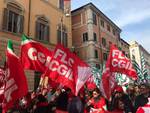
{"x": 47, "y": 21}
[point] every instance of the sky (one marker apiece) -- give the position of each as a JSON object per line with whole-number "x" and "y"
{"x": 132, "y": 16}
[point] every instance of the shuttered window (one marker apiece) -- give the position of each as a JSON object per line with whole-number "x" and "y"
{"x": 62, "y": 38}
{"x": 96, "y": 53}
{"x": 95, "y": 37}
{"x": 42, "y": 29}
{"x": 85, "y": 37}
{"x": 94, "y": 18}
{"x": 12, "y": 19}
{"x": 61, "y": 4}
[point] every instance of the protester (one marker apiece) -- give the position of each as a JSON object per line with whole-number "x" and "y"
{"x": 75, "y": 105}
{"x": 62, "y": 100}
{"x": 42, "y": 105}
{"x": 97, "y": 102}
{"x": 120, "y": 101}
{"x": 142, "y": 99}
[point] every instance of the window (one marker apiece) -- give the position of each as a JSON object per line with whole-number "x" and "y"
{"x": 104, "y": 42}
{"x": 110, "y": 44}
{"x": 102, "y": 23}
{"x": 61, "y": 4}
{"x": 114, "y": 32}
{"x": 105, "y": 56}
{"x": 108, "y": 27}
{"x": 62, "y": 36}
{"x": 42, "y": 29}
{"x": 96, "y": 54}
{"x": 95, "y": 37}
{"x": 94, "y": 18}
{"x": 85, "y": 37}
{"x": 13, "y": 19}
{"x": 124, "y": 52}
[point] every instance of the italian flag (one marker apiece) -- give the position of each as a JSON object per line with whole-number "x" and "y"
{"x": 16, "y": 83}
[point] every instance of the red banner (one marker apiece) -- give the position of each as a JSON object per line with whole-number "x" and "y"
{"x": 118, "y": 62}
{"x": 67, "y": 69}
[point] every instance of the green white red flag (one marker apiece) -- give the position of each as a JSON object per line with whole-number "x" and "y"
{"x": 16, "y": 83}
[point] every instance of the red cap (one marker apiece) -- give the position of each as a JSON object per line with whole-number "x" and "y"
{"x": 118, "y": 89}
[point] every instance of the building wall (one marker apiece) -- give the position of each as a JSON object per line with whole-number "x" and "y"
{"x": 124, "y": 46}
{"x": 48, "y": 9}
{"x": 137, "y": 50}
{"x": 82, "y": 21}
{"x": 51, "y": 11}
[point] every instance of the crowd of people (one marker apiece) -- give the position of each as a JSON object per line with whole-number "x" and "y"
{"x": 61, "y": 100}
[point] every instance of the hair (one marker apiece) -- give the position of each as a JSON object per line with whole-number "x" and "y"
{"x": 97, "y": 90}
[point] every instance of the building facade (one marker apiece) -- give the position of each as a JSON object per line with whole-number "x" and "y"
{"x": 92, "y": 34}
{"x": 136, "y": 50}
{"x": 124, "y": 47}
{"x": 47, "y": 21}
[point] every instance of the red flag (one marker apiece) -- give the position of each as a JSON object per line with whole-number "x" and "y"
{"x": 108, "y": 83}
{"x": 2, "y": 76}
{"x": 117, "y": 62}
{"x": 34, "y": 56}
{"x": 16, "y": 84}
{"x": 67, "y": 69}
{"x": 2, "y": 83}
{"x": 90, "y": 83}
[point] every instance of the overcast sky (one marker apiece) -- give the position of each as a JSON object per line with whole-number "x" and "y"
{"x": 132, "y": 16}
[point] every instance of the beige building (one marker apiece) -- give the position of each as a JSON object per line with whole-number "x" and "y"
{"x": 47, "y": 21}
{"x": 136, "y": 50}
{"x": 93, "y": 33}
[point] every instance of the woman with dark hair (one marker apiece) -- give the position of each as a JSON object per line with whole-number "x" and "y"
{"x": 97, "y": 102}
{"x": 120, "y": 102}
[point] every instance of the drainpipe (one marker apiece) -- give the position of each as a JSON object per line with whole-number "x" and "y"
{"x": 29, "y": 18}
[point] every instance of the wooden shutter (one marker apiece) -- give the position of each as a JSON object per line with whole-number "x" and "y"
{"x": 37, "y": 30}
{"x": 65, "y": 39}
{"x": 21, "y": 24}
{"x": 48, "y": 36}
{"x": 46, "y": 33}
{"x": 5, "y": 19}
{"x": 58, "y": 36}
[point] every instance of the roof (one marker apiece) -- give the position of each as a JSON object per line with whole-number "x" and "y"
{"x": 92, "y": 5}
{"x": 124, "y": 41}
